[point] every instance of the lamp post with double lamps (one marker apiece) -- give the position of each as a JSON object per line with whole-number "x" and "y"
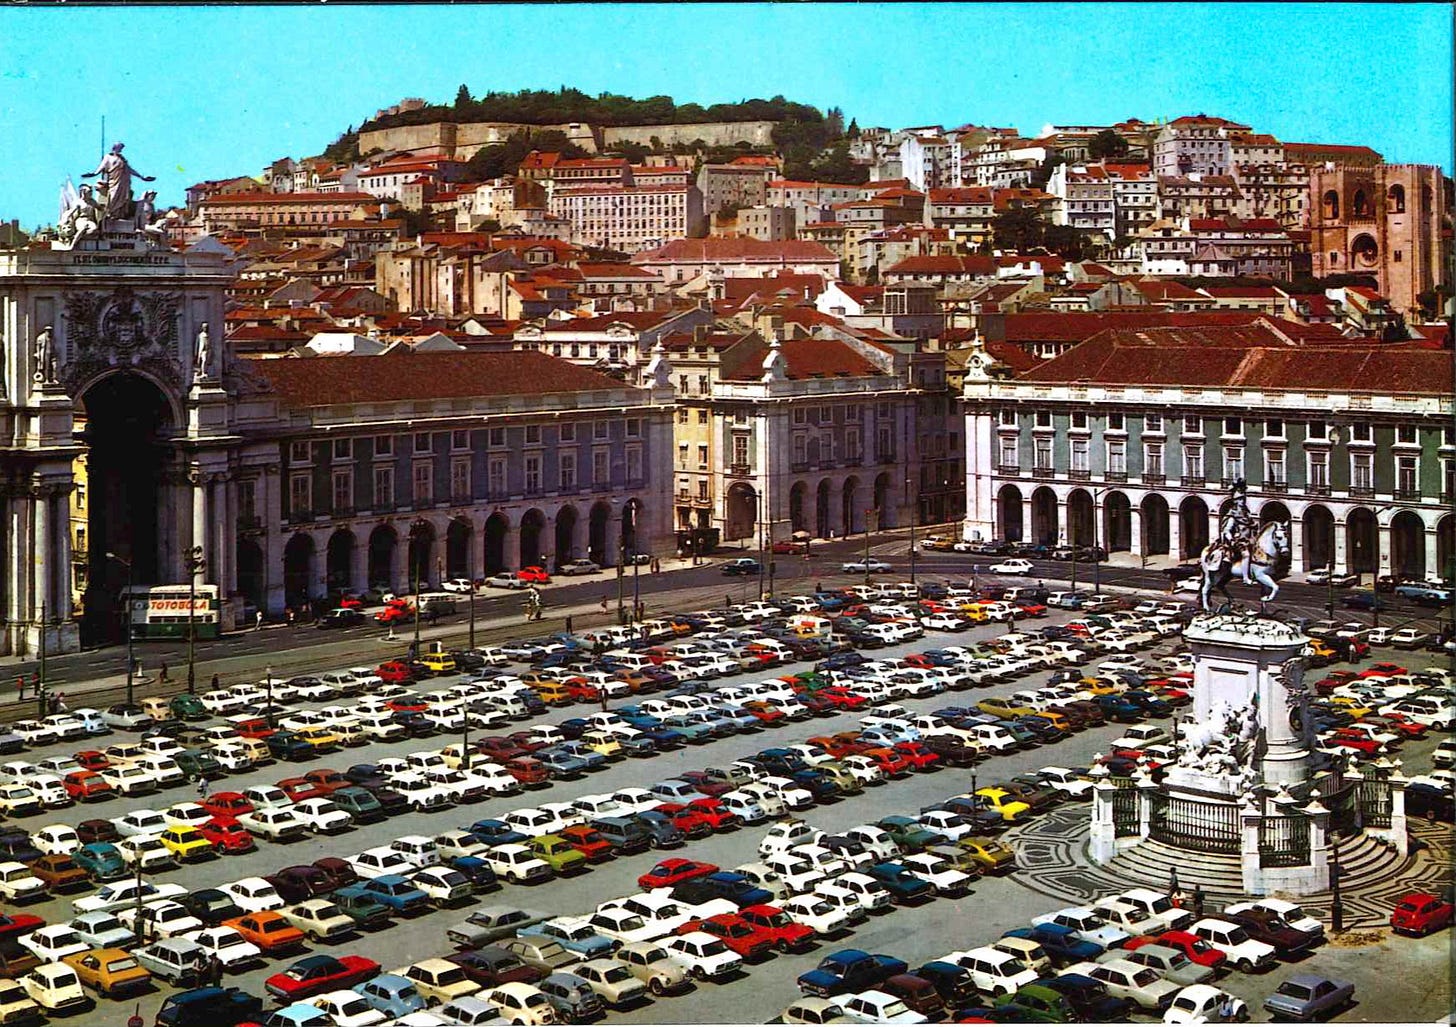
{"x": 195, "y": 564}
{"x": 127, "y": 627}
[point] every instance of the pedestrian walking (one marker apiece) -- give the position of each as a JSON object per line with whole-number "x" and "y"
{"x": 604, "y": 604}
{"x": 434, "y": 615}
{"x": 53, "y": 704}
{"x": 1197, "y": 901}
{"x": 162, "y": 674}
{"x": 35, "y": 682}
{"x": 214, "y": 685}
{"x": 20, "y": 682}
{"x": 258, "y": 621}
{"x": 61, "y": 706}
{"x": 202, "y": 786}
{"x": 818, "y": 586}
{"x": 136, "y": 667}
{"x": 215, "y": 970}
{"x": 568, "y": 623}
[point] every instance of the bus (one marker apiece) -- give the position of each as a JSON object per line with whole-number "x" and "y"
{"x": 160, "y": 611}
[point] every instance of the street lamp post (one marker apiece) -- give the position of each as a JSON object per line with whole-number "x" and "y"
{"x": 126, "y": 626}
{"x": 1337, "y": 904}
{"x": 417, "y": 530}
{"x": 868, "y": 515}
{"x": 268, "y": 687}
{"x": 195, "y": 563}
{"x": 913, "y": 511}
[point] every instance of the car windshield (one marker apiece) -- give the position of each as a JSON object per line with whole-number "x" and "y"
{"x": 118, "y": 965}
{"x": 712, "y": 948}
{"x": 1145, "y": 978}
{"x": 1237, "y": 936}
{"x": 1294, "y": 990}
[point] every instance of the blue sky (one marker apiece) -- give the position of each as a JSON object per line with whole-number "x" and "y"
{"x": 201, "y": 93}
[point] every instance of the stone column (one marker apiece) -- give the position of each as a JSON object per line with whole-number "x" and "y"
{"x": 1064, "y": 529}
{"x": 1380, "y": 559}
{"x": 17, "y": 578}
{"x": 359, "y": 563}
{"x": 1135, "y": 534}
{"x": 273, "y": 540}
{"x": 42, "y": 605}
{"x": 1398, "y": 835}
{"x": 1296, "y": 545}
{"x": 399, "y": 568}
{"x": 65, "y": 573}
{"x": 199, "y": 517}
{"x": 1102, "y": 845}
{"x": 1253, "y": 870}
{"x": 1145, "y": 788}
{"x": 1341, "y": 539}
{"x": 1320, "y": 840}
{"x": 227, "y": 538}
{"x": 475, "y": 552}
{"x": 1433, "y": 564}
{"x": 1028, "y": 533}
{"x": 1175, "y": 535}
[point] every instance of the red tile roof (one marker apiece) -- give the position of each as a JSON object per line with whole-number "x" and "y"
{"x": 1075, "y": 326}
{"x": 804, "y": 358}
{"x": 739, "y": 288}
{"x": 425, "y": 376}
{"x": 246, "y": 199}
{"x": 931, "y": 264}
{"x": 589, "y": 270}
{"x": 737, "y": 248}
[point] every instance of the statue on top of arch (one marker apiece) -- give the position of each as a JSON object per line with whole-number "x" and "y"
{"x": 108, "y": 207}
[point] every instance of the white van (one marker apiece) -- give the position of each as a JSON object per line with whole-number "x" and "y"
{"x": 994, "y": 737}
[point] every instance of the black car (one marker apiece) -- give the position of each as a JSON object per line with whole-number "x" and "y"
{"x": 286, "y": 745}
{"x": 211, "y": 906}
{"x": 952, "y": 982}
{"x": 1090, "y": 999}
{"x": 365, "y": 774}
{"x": 467, "y": 660}
{"x": 392, "y": 801}
{"x": 742, "y": 567}
{"x": 493, "y": 966}
{"x": 414, "y": 723}
{"x": 1364, "y": 601}
{"x": 1423, "y": 800}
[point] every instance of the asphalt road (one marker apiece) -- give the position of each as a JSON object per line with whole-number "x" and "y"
{"x": 912, "y": 934}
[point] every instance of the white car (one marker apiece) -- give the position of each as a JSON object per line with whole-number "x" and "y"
{"x": 19, "y": 800}
{"x": 123, "y": 894}
{"x": 164, "y": 919}
{"x": 947, "y": 881}
{"x": 56, "y": 840}
{"x": 274, "y": 824}
{"x": 53, "y": 943}
{"x": 321, "y": 816}
{"x": 870, "y": 566}
{"x": 1016, "y": 565}
{"x": 517, "y": 863}
{"x": 230, "y": 947}
{"x": 380, "y": 861}
{"x": 140, "y": 822}
{"x": 146, "y": 851}
{"x": 54, "y": 987}
{"x": 267, "y": 797}
{"x": 460, "y": 586}
{"x": 787, "y": 834}
{"x": 1233, "y": 941}
{"x": 703, "y": 956}
{"x": 185, "y": 814}
{"x": 348, "y": 1009}
{"x": 625, "y": 926}
{"x": 253, "y": 895}
{"x": 1203, "y": 1003}
{"x": 818, "y": 913}
{"x": 876, "y": 1006}
{"x": 505, "y": 580}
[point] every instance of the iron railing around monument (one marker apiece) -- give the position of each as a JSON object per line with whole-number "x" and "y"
{"x": 1373, "y": 798}
{"x": 1284, "y": 841}
{"x": 1125, "y": 811}
{"x": 1192, "y": 824}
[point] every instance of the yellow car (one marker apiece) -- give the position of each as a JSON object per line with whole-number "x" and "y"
{"x": 110, "y": 972}
{"x": 1352, "y": 706}
{"x": 1098, "y": 686}
{"x": 439, "y": 663}
{"x": 1006, "y": 708}
{"x": 1003, "y": 802}
{"x": 603, "y": 742}
{"x": 990, "y": 855}
{"x": 973, "y": 613}
{"x": 321, "y": 738}
{"x": 186, "y": 843}
{"x": 1321, "y": 651}
{"x": 552, "y": 693}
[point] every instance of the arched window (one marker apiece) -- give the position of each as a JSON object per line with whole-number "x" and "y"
{"x": 1334, "y": 259}
{"x": 1360, "y": 204}
{"x": 1395, "y": 199}
{"x": 1331, "y": 205}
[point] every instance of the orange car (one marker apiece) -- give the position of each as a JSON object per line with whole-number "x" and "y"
{"x": 269, "y": 931}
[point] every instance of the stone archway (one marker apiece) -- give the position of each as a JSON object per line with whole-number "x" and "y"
{"x": 822, "y": 523}
{"x": 741, "y": 512}
{"x": 496, "y": 527}
{"x": 382, "y": 544}
{"x": 1081, "y": 519}
{"x": 1445, "y": 548}
{"x": 421, "y": 557}
{"x": 532, "y": 525}
{"x": 1008, "y": 514}
{"x": 128, "y": 422}
{"x": 798, "y": 493}
{"x": 883, "y": 504}
{"x": 1408, "y": 545}
{"x": 339, "y": 561}
{"x": 1116, "y": 523}
{"x": 1274, "y": 512}
{"x": 850, "y": 514}
{"x": 457, "y": 548}
{"x": 1192, "y": 527}
{"x": 252, "y": 576}
{"x": 1156, "y": 524}
{"x": 1362, "y": 541}
{"x": 1046, "y": 526}
{"x": 596, "y": 535}
{"x": 565, "y": 535}
{"x": 298, "y": 569}
{"x": 631, "y": 520}
{"x": 1319, "y": 537}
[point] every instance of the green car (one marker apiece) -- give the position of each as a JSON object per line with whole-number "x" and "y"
{"x": 1036, "y": 1003}
{"x": 197, "y": 763}
{"x": 841, "y": 776}
{"x": 363, "y": 910}
{"x": 909, "y": 834}
{"x": 559, "y": 853}
{"x": 188, "y": 707}
{"x": 101, "y": 860}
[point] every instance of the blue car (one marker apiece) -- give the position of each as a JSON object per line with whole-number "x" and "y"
{"x": 392, "y": 890}
{"x": 593, "y": 759}
{"x": 578, "y": 938}
{"x": 849, "y": 970}
{"x": 560, "y": 763}
{"x": 299, "y": 1014}
{"x": 475, "y": 870}
{"x": 101, "y": 860}
{"x": 392, "y": 995}
{"x": 1059, "y": 942}
{"x": 496, "y": 832}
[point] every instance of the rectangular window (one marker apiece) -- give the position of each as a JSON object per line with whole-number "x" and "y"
{"x": 1153, "y": 459}
{"x": 1043, "y": 418}
{"x": 1274, "y": 471}
{"x": 1153, "y": 422}
{"x": 533, "y": 474}
{"x": 702, "y": 385}
{"x": 1192, "y": 426}
{"x": 634, "y": 427}
{"x": 247, "y": 498}
{"x": 568, "y": 432}
{"x": 1448, "y": 479}
{"x": 1193, "y": 462}
{"x": 1117, "y": 457}
{"x": 300, "y": 494}
{"x": 423, "y": 477}
{"x": 798, "y": 450}
{"x": 702, "y": 457}
{"x": 1010, "y": 456}
{"x": 702, "y": 415}
{"x": 851, "y": 445}
{"x": 497, "y": 436}
{"x": 298, "y": 453}
{"x": 1114, "y": 422}
{"x": 1079, "y": 419}
{"x": 1233, "y": 463}
{"x": 1362, "y": 474}
{"x": 495, "y": 472}
{"x": 343, "y": 492}
{"x": 702, "y": 488}
{"x": 422, "y": 443}
{"x": 1079, "y": 455}
{"x": 459, "y": 439}
{"x": 1406, "y": 434}
{"x": 343, "y": 449}
{"x": 1043, "y": 455}
{"x": 1233, "y": 426}
{"x": 1319, "y": 469}
{"x": 801, "y": 416}
{"x": 1448, "y": 435}
{"x": 886, "y": 444}
{"x": 634, "y": 463}
{"x": 601, "y": 469}
{"x": 533, "y": 434}
{"x": 740, "y": 450}
{"x": 600, "y": 429}
{"x": 1318, "y": 430}
{"x": 384, "y": 445}
{"x": 1407, "y": 484}
{"x": 384, "y": 488}
{"x": 1360, "y": 432}
{"x": 460, "y": 479}
{"x": 1274, "y": 429}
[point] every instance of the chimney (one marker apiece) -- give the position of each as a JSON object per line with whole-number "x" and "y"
{"x": 776, "y": 326}
{"x": 700, "y": 335}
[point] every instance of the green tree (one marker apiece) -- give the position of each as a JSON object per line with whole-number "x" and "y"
{"x": 345, "y": 149}
{"x": 462, "y": 97}
{"x": 1017, "y": 229}
{"x": 1107, "y": 144}
{"x": 1042, "y": 174}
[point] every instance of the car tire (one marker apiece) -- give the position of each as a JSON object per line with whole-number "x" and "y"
{"x": 657, "y": 987}
{"x": 1245, "y": 966}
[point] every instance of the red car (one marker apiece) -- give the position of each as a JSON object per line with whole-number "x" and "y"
{"x": 815, "y": 703}
{"x": 1401, "y": 723}
{"x": 227, "y": 835}
{"x": 917, "y": 755}
{"x": 890, "y": 761}
{"x": 581, "y": 690}
{"x": 786, "y": 546}
{"x": 743, "y": 937}
{"x": 526, "y": 770}
{"x": 347, "y": 602}
{"x": 589, "y": 842}
{"x": 227, "y": 804}
{"x": 1195, "y": 948}
{"x": 690, "y": 822}
{"x": 786, "y": 935}
{"x": 534, "y": 574}
{"x": 407, "y": 704}
{"x": 90, "y": 759}
{"x": 709, "y": 786}
{"x": 313, "y": 975}
{"x": 328, "y": 781}
{"x": 917, "y": 660}
{"x": 671, "y": 871}
{"x": 84, "y": 785}
{"x": 1380, "y": 670}
{"x": 766, "y": 712}
{"x": 17, "y": 925}
{"x": 1420, "y": 913}
{"x": 300, "y": 788}
{"x": 718, "y": 816}
{"x": 846, "y": 743}
{"x": 525, "y": 740}
{"x": 395, "y": 614}
{"x": 842, "y": 698}
{"x": 1349, "y": 739}
{"x": 1030, "y": 609}
{"x": 395, "y": 672}
{"x": 1333, "y": 680}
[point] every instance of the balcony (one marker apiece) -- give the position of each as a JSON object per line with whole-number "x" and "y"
{"x": 1408, "y": 494}
{"x": 1362, "y": 491}
{"x": 799, "y": 465}
{"x": 1317, "y": 490}
{"x": 1275, "y": 486}
{"x": 853, "y": 461}
{"x": 738, "y": 470}
{"x": 1082, "y": 475}
{"x": 1190, "y": 481}
{"x": 1154, "y": 479}
{"x": 1008, "y": 469}
{"x": 299, "y": 516}
{"x": 249, "y": 524}
{"x": 1116, "y": 476}
{"x": 461, "y": 499}
{"x": 1042, "y": 471}
{"x": 340, "y": 512}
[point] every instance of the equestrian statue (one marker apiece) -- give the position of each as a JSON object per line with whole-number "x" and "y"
{"x": 1256, "y": 553}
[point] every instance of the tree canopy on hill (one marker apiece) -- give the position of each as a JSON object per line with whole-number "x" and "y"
{"x": 540, "y": 107}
